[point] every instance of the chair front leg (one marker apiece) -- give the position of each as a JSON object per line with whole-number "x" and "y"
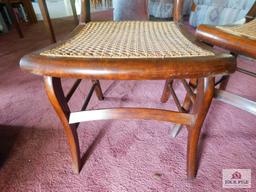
{"x": 205, "y": 92}
{"x": 56, "y": 96}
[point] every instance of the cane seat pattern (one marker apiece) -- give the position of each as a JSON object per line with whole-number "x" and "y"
{"x": 128, "y": 39}
{"x": 247, "y": 30}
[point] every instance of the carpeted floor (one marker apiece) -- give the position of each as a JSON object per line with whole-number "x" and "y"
{"x": 119, "y": 156}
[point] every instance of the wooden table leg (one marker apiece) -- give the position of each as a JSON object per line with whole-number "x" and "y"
{"x": 56, "y": 96}
{"x": 205, "y": 92}
{"x": 47, "y": 20}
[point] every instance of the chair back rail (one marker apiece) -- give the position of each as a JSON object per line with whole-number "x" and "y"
{"x": 252, "y": 13}
{"x": 86, "y": 16}
{"x": 85, "y": 11}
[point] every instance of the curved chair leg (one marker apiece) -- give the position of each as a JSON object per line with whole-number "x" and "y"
{"x": 166, "y": 92}
{"x": 56, "y": 96}
{"x": 205, "y": 92}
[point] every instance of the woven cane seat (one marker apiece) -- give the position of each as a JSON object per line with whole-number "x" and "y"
{"x": 129, "y": 39}
{"x": 247, "y": 30}
{"x": 129, "y": 50}
{"x": 240, "y": 39}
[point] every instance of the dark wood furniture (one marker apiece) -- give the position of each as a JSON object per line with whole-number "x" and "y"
{"x": 239, "y": 40}
{"x": 28, "y": 9}
{"x": 135, "y": 50}
{"x": 47, "y": 20}
{"x": 16, "y": 24}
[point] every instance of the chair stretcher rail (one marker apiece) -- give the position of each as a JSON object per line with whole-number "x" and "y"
{"x": 73, "y": 89}
{"x": 132, "y": 113}
{"x": 88, "y": 98}
{"x": 236, "y": 101}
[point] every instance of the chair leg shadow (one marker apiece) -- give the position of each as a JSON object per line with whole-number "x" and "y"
{"x": 8, "y": 137}
{"x": 92, "y": 147}
{"x": 202, "y": 145}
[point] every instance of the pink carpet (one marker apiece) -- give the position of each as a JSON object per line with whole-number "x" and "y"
{"x": 119, "y": 156}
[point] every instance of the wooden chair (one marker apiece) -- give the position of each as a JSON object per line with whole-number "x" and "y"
{"x": 131, "y": 50}
{"x": 28, "y": 9}
{"x": 239, "y": 40}
{"x": 226, "y": 39}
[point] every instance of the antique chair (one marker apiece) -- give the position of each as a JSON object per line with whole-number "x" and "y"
{"x": 239, "y": 39}
{"x": 131, "y": 50}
